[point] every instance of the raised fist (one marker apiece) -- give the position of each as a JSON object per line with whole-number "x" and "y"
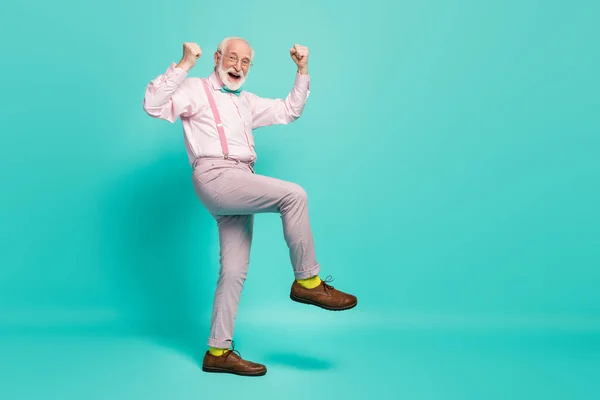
{"x": 191, "y": 53}
{"x": 300, "y": 56}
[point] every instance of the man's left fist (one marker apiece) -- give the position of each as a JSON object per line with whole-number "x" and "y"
{"x": 300, "y": 56}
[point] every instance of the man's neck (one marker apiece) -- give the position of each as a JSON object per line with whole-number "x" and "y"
{"x": 218, "y": 77}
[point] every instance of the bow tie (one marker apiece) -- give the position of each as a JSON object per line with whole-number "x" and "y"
{"x": 237, "y": 92}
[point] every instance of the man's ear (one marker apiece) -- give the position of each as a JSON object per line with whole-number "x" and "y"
{"x": 217, "y": 54}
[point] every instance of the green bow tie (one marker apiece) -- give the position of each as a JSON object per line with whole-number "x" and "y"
{"x": 225, "y": 89}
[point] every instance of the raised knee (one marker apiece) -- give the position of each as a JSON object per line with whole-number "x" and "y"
{"x": 298, "y": 193}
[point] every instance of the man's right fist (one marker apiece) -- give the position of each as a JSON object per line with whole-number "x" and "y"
{"x": 191, "y": 53}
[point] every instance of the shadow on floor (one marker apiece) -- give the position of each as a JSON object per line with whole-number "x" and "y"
{"x": 298, "y": 361}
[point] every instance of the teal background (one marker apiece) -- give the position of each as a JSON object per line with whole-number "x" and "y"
{"x": 450, "y": 154}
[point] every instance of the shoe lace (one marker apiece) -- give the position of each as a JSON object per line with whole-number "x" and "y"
{"x": 327, "y": 281}
{"x": 233, "y": 350}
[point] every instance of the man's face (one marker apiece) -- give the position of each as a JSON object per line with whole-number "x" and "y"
{"x": 233, "y": 64}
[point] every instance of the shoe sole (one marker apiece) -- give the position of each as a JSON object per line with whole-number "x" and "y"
{"x": 312, "y": 303}
{"x": 228, "y": 371}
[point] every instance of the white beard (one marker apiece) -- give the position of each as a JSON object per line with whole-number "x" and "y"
{"x": 225, "y": 77}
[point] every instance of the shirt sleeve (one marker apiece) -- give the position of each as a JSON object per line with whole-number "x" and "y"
{"x": 266, "y": 111}
{"x": 171, "y": 95}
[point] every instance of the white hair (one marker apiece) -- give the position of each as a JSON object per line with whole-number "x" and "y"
{"x": 221, "y": 47}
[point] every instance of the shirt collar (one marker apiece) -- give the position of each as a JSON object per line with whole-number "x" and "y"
{"x": 215, "y": 81}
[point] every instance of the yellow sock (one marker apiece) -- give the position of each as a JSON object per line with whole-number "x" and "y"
{"x": 216, "y": 351}
{"x": 310, "y": 283}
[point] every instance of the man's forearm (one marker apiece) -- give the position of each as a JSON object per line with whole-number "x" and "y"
{"x": 160, "y": 90}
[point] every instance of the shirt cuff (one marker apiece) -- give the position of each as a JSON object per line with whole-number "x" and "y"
{"x": 302, "y": 81}
{"x": 175, "y": 74}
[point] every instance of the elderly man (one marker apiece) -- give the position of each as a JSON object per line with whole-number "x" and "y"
{"x": 218, "y": 119}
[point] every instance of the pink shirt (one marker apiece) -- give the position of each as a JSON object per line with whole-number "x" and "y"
{"x": 174, "y": 95}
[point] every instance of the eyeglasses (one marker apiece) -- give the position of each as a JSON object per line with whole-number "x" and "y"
{"x": 233, "y": 59}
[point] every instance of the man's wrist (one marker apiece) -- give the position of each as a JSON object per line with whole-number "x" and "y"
{"x": 184, "y": 66}
{"x": 303, "y": 70}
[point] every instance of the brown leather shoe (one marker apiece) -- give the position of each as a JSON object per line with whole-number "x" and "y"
{"x": 324, "y": 296}
{"x": 232, "y": 363}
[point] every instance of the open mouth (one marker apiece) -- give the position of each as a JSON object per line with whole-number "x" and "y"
{"x": 234, "y": 76}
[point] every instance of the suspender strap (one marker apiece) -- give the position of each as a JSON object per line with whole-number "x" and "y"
{"x": 217, "y": 117}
